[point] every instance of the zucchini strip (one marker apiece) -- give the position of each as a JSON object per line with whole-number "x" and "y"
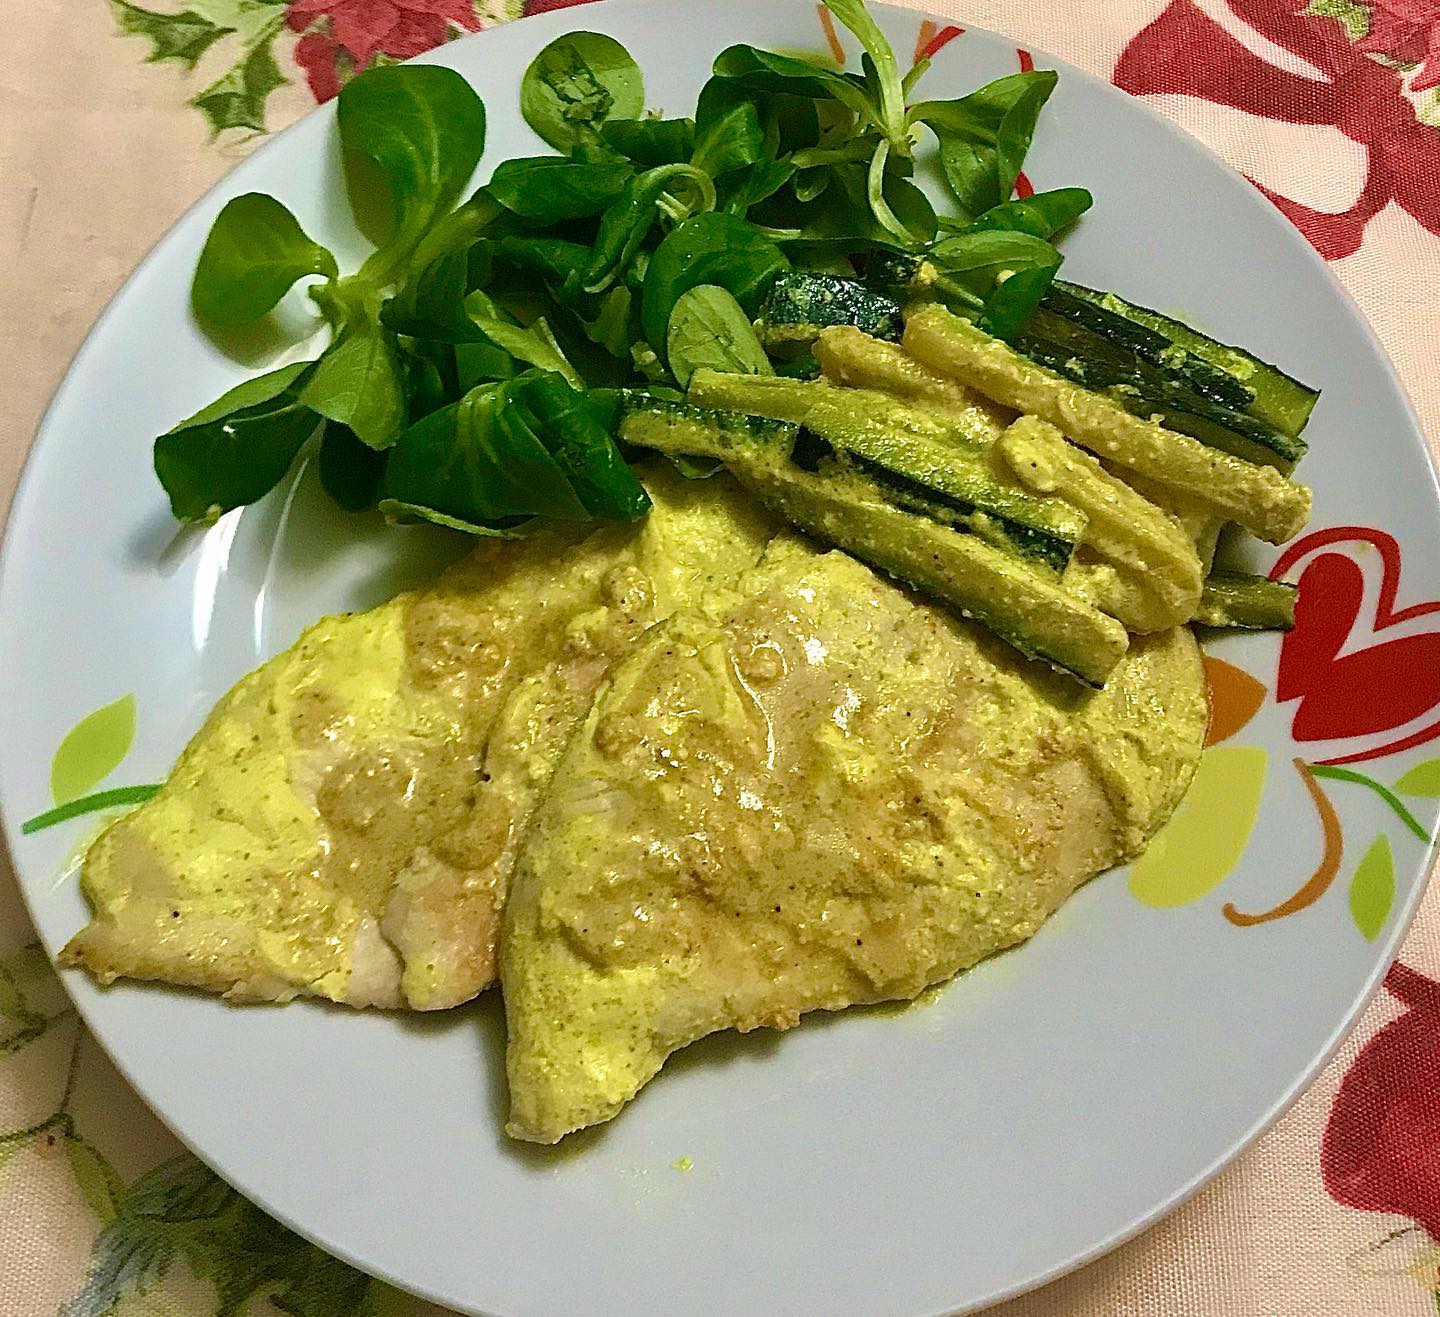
{"x": 1246, "y": 601}
{"x": 1028, "y": 608}
{"x": 1278, "y": 398}
{"x": 919, "y": 452}
{"x": 1153, "y": 393}
{"x": 1205, "y": 535}
{"x": 1199, "y": 523}
{"x": 1148, "y": 344}
{"x": 1258, "y": 497}
{"x": 1118, "y": 591}
{"x": 1034, "y": 614}
{"x": 855, "y": 360}
{"x": 802, "y": 303}
{"x": 1122, "y": 527}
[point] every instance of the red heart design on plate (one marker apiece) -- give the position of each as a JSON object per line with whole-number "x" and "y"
{"x": 1383, "y": 686}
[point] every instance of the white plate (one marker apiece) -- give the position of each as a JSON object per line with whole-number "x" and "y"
{"x": 1047, "y": 1105}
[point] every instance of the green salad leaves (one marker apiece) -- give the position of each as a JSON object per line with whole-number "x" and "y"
{"x": 255, "y": 253}
{"x": 575, "y": 84}
{"x": 419, "y": 132}
{"x": 509, "y": 451}
{"x": 237, "y": 449}
{"x": 984, "y": 136}
{"x": 473, "y": 357}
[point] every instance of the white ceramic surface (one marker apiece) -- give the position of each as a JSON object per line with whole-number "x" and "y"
{"x": 1047, "y": 1104}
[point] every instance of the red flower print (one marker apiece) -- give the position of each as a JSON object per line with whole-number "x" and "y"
{"x": 545, "y": 6}
{"x": 343, "y": 36}
{"x": 319, "y": 56}
{"x": 1185, "y": 52}
{"x": 1381, "y": 1151}
{"x": 1407, "y": 30}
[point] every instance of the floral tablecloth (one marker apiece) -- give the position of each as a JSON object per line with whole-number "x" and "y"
{"x": 116, "y": 117}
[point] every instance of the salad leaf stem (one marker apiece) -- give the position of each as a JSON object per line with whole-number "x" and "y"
{"x": 357, "y": 381}
{"x": 889, "y": 89}
{"x": 850, "y": 152}
{"x": 624, "y": 226}
{"x": 875, "y": 185}
{"x": 917, "y": 71}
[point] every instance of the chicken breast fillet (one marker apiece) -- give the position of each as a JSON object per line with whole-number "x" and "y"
{"x": 823, "y": 793}
{"x": 344, "y": 823}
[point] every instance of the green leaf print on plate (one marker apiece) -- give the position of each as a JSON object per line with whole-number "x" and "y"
{"x": 73, "y": 809}
{"x": 1372, "y": 889}
{"x": 92, "y": 750}
{"x": 1422, "y": 780}
{"x": 1195, "y": 851}
{"x": 1379, "y": 788}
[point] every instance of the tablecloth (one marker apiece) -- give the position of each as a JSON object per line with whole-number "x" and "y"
{"x": 113, "y": 119}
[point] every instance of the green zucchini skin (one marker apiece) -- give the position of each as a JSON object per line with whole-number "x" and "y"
{"x": 1154, "y": 366}
{"x": 802, "y": 303}
{"x": 1042, "y": 546}
{"x": 1262, "y": 499}
{"x": 1243, "y": 601}
{"x": 1093, "y": 361}
{"x": 1277, "y": 398}
{"x": 896, "y": 275}
{"x": 1149, "y": 345}
{"x": 663, "y": 424}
